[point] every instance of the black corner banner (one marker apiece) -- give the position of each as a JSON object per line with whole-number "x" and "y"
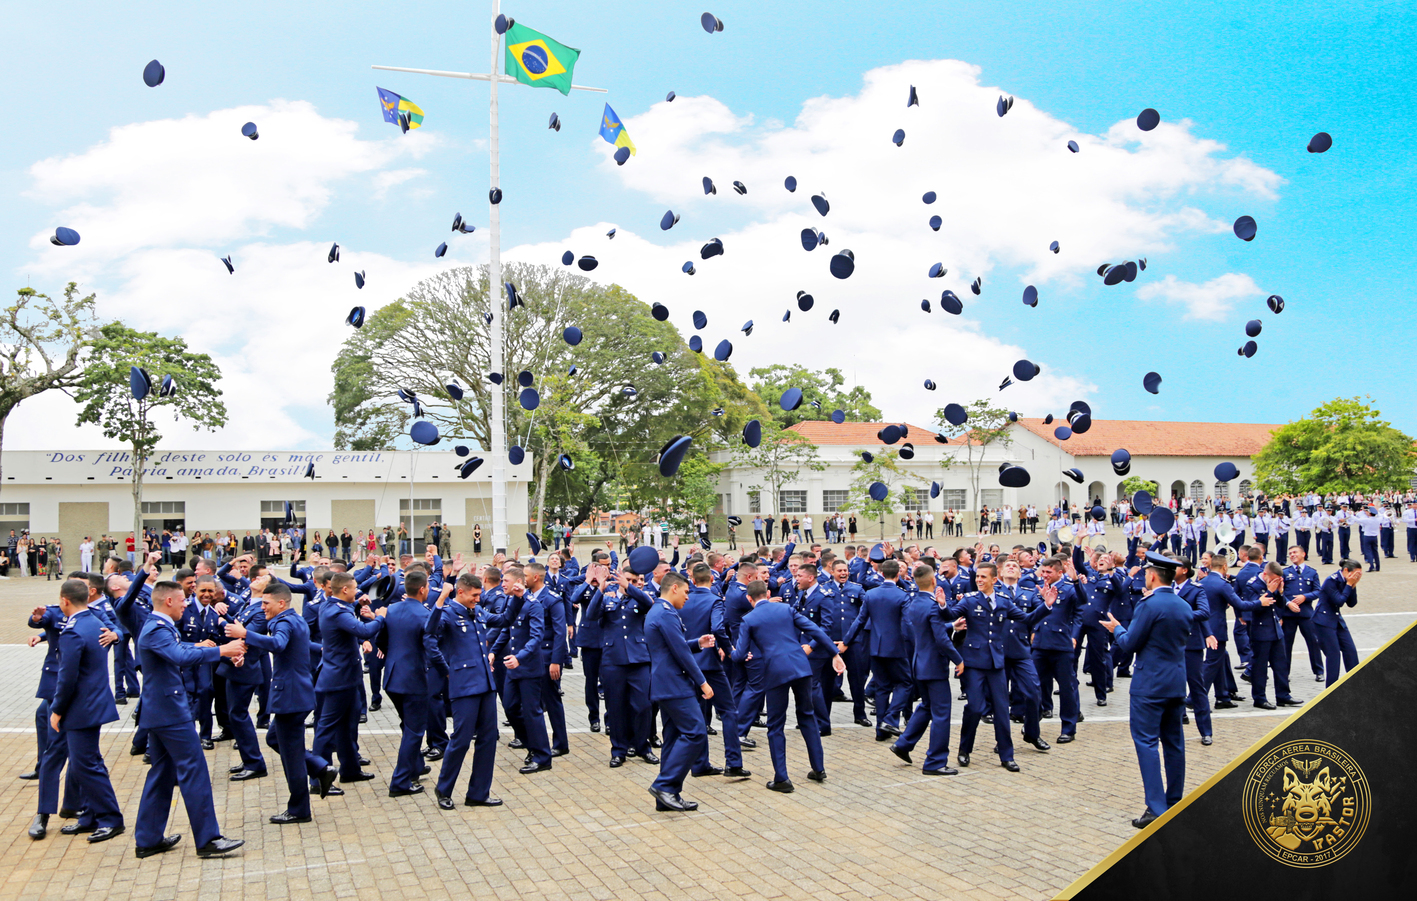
{"x": 1321, "y": 807}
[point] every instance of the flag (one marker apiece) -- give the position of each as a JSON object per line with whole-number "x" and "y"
{"x": 395, "y": 106}
{"x": 613, "y": 132}
{"x": 539, "y": 61}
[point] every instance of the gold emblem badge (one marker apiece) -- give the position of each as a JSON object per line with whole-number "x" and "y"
{"x": 1306, "y": 803}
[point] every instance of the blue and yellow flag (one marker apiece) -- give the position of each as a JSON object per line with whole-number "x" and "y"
{"x": 614, "y": 132}
{"x": 535, "y": 59}
{"x": 393, "y": 106}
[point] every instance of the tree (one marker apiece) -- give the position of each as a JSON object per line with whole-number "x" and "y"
{"x": 41, "y": 341}
{"x": 885, "y": 468}
{"x": 692, "y": 492}
{"x": 108, "y": 401}
{"x": 986, "y": 425}
{"x": 1133, "y": 484}
{"x": 779, "y": 459}
{"x": 770, "y": 382}
{"x": 1342, "y": 447}
{"x": 439, "y": 333}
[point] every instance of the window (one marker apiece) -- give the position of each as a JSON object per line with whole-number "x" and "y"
{"x": 953, "y": 498}
{"x": 169, "y": 507}
{"x": 1198, "y": 491}
{"x": 993, "y": 497}
{"x": 917, "y": 498}
{"x": 792, "y": 502}
{"x": 1245, "y": 488}
{"x": 273, "y": 515}
{"x": 755, "y": 502}
{"x": 167, "y": 516}
{"x": 832, "y": 500}
{"x": 16, "y": 510}
{"x": 1222, "y": 490}
{"x": 725, "y": 504}
{"x": 14, "y": 517}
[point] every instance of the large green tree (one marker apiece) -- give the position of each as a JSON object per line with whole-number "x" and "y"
{"x": 615, "y": 412}
{"x": 777, "y": 461}
{"x": 107, "y": 399}
{"x": 1343, "y": 446}
{"x": 824, "y": 387}
{"x": 41, "y": 341}
{"x": 986, "y": 426}
{"x": 884, "y": 467}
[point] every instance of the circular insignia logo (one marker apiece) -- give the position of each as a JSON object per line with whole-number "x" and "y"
{"x": 1306, "y": 803}
{"x": 535, "y": 59}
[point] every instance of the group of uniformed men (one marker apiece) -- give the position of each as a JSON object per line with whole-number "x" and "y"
{"x": 738, "y": 638}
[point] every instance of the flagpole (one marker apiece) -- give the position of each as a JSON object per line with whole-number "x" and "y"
{"x": 497, "y": 424}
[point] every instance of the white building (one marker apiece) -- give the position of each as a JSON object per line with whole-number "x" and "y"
{"x": 1179, "y": 456}
{"x": 79, "y": 493}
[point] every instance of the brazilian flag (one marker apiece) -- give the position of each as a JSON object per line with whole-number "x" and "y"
{"x": 537, "y": 60}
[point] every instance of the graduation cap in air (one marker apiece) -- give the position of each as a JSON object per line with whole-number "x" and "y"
{"x": 1245, "y": 228}
{"x": 696, "y": 344}
{"x": 1073, "y": 146}
{"x": 747, "y": 328}
{"x": 487, "y": 317}
{"x": 494, "y": 377}
{"x": 790, "y": 183}
{"x": 835, "y": 315}
{"x": 879, "y": 492}
{"x": 461, "y": 450}
{"x": 740, "y": 188}
{"x": 622, "y": 156}
{"x": 899, "y": 137}
{"x": 934, "y": 489}
{"x": 1253, "y": 328}
{"x": 502, "y": 23}
{"x": 1148, "y": 119}
{"x": 723, "y": 351}
{"x": 843, "y": 264}
{"x": 713, "y": 248}
{"x": 657, "y": 357}
{"x": 643, "y": 560}
{"x": 610, "y": 234}
{"x": 525, "y": 378}
{"x": 587, "y": 263}
{"x": 1319, "y": 143}
{"x": 1048, "y": 420}
{"x": 1013, "y": 476}
{"x": 67, "y": 237}
{"x": 668, "y": 220}
{"x": 468, "y": 466}
{"x": 709, "y": 186}
{"x": 711, "y": 23}
{"x": 1121, "y": 457}
{"x": 139, "y": 383}
{"x": 249, "y": 130}
{"x": 442, "y": 249}
{"x": 513, "y": 299}
{"x": 1142, "y": 502}
{"x": 533, "y": 543}
{"x": 169, "y": 387}
{"x": 1055, "y": 247}
{"x": 572, "y": 335}
{"x": 688, "y": 268}
{"x": 735, "y": 520}
{"x": 838, "y": 416}
{"x": 925, "y": 304}
{"x": 753, "y": 433}
{"x": 1004, "y": 105}
{"x": 1062, "y": 433}
{"x": 494, "y": 196}
{"x": 659, "y": 311}
{"x": 333, "y": 255}
{"x": 1026, "y": 369}
{"x": 1114, "y": 275}
{"x": 229, "y": 267}
{"x": 820, "y": 202}
{"x": 913, "y": 99}
{"x": 565, "y": 462}
{"x": 516, "y": 454}
{"x": 1079, "y": 421}
{"x": 1075, "y": 474}
{"x": 289, "y": 512}
{"x": 1226, "y": 472}
{"x": 1249, "y": 349}
{"x": 1005, "y": 383}
{"x": 811, "y": 238}
{"x": 310, "y": 471}
{"x": 791, "y": 399}
{"x": 669, "y": 98}
{"x": 804, "y": 301}
{"x": 1013, "y": 417}
{"x": 907, "y": 451}
{"x": 956, "y": 414}
{"x": 938, "y": 270}
{"x": 1152, "y": 382}
{"x": 154, "y": 73}
{"x": 1162, "y": 519}
{"x": 1276, "y": 303}
{"x": 1030, "y": 296}
{"x": 567, "y": 258}
{"x": 529, "y": 399}
{"x": 976, "y": 285}
{"x": 672, "y": 454}
{"x": 359, "y": 279}
{"x": 929, "y": 385}
{"x": 889, "y": 435}
{"x": 935, "y": 223}
{"x": 355, "y": 317}
{"x": 424, "y": 432}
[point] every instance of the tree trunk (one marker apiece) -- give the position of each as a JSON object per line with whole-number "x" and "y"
{"x": 585, "y": 509}
{"x": 541, "y": 487}
{"x": 3, "y": 417}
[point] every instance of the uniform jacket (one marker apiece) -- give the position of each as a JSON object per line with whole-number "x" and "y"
{"x": 287, "y": 639}
{"x": 164, "y": 656}
{"x": 341, "y": 632}
{"x": 1334, "y": 595}
{"x": 932, "y": 646}
{"x": 673, "y": 672}
{"x": 82, "y": 696}
{"x": 881, "y": 612}
{"x": 462, "y": 639}
{"x": 521, "y": 636}
{"x": 1157, "y": 636}
{"x": 772, "y": 632}
{"x": 409, "y": 648}
{"x": 622, "y": 626}
{"x": 703, "y": 615}
{"x": 1059, "y": 625}
{"x": 986, "y": 637}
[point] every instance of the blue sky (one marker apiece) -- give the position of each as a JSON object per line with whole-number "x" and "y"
{"x": 1249, "y": 83}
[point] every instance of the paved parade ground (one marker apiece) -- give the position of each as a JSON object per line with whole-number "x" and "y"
{"x": 877, "y": 828}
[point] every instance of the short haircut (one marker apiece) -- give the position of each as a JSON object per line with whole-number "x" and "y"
{"x": 515, "y": 574}
{"x": 809, "y": 568}
{"x": 670, "y": 580}
{"x": 322, "y": 574}
{"x": 536, "y": 568}
{"x": 467, "y": 582}
{"x": 1255, "y": 554}
{"x": 1052, "y": 563}
{"x": 75, "y": 591}
{"x": 183, "y": 575}
{"x": 414, "y": 581}
{"x": 924, "y": 576}
{"x": 338, "y": 581}
{"x": 757, "y": 589}
{"x": 278, "y": 590}
{"x": 492, "y": 574}
{"x": 890, "y": 569}
{"x": 206, "y": 579}
{"x": 1273, "y": 568}
{"x": 702, "y": 574}
{"x": 993, "y": 570}
{"x": 164, "y": 588}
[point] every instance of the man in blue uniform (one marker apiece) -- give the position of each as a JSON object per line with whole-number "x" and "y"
{"x": 675, "y": 685}
{"x": 1054, "y": 641}
{"x": 1157, "y": 637}
{"x": 747, "y": 677}
{"x": 1338, "y": 591}
{"x": 520, "y": 646}
{"x": 772, "y": 632}
{"x": 176, "y": 752}
{"x": 1024, "y": 689}
{"x": 933, "y": 655}
{"x": 1301, "y": 589}
{"x": 1102, "y": 588}
{"x": 847, "y": 597}
{"x": 554, "y": 654}
{"x": 620, "y": 609}
{"x": 1201, "y": 639}
{"x": 1260, "y": 604}
{"x": 881, "y": 614}
{"x": 409, "y": 651}
{"x": 814, "y": 603}
{"x": 1220, "y": 596}
{"x": 341, "y": 673}
{"x": 702, "y": 614}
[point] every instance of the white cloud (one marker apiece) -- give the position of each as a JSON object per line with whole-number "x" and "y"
{"x": 1211, "y": 301}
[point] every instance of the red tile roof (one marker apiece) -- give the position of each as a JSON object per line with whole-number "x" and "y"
{"x": 857, "y": 434}
{"x": 1159, "y": 439}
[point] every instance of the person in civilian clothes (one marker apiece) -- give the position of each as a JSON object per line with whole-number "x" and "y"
{"x": 676, "y": 684}
{"x": 932, "y": 654}
{"x": 702, "y": 614}
{"x": 176, "y": 752}
{"x": 1338, "y": 591}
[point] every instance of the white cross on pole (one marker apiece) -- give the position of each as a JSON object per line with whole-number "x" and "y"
{"x": 497, "y": 422}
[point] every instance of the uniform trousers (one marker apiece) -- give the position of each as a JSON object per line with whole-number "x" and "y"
{"x": 932, "y": 713}
{"x": 125, "y": 672}
{"x": 178, "y": 762}
{"x": 1370, "y": 552}
{"x": 988, "y": 690}
{"x": 590, "y": 667}
{"x": 475, "y": 724}
{"x": 1097, "y": 659}
{"x": 1262, "y": 539}
{"x": 1343, "y": 534}
{"x": 1306, "y": 628}
{"x": 1059, "y": 665}
{"x": 524, "y": 705}
{"x": 724, "y": 702}
{"x": 750, "y": 694}
{"x": 776, "y": 696}
{"x": 823, "y": 687}
{"x": 87, "y": 774}
{"x": 437, "y": 710}
{"x": 555, "y": 712}
{"x": 51, "y": 764}
{"x": 1269, "y": 654}
{"x": 1023, "y": 686}
{"x": 243, "y": 731}
{"x": 626, "y": 707}
{"x": 1216, "y": 671}
{"x": 1281, "y": 545}
{"x": 1385, "y": 539}
{"x": 375, "y": 664}
{"x": 1337, "y": 644}
{"x": 335, "y": 722}
{"x": 1412, "y": 544}
{"x": 1301, "y": 538}
{"x": 1197, "y": 698}
{"x": 858, "y": 665}
{"x": 286, "y": 736}
{"x": 413, "y": 724}
{"x": 1156, "y": 721}
{"x": 685, "y": 742}
{"x": 892, "y": 689}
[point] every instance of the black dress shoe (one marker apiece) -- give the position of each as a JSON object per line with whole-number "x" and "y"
{"x": 208, "y": 744}
{"x": 1264, "y": 705}
{"x": 560, "y": 752}
{"x": 425, "y": 770}
{"x": 1185, "y": 719}
{"x": 223, "y": 735}
{"x": 238, "y": 768}
{"x": 1144, "y": 820}
{"x": 516, "y": 744}
{"x": 534, "y": 768}
{"x": 1207, "y": 740}
{"x": 902, "y": 753}
{"x": 1009, "y": 765}
{"x": 363, "y": 717}
{"x": 445, "y": 803}
{"x": 485, "y": 802}
{"x": 1016, "y": 718}
{"x": 1225, "y": 704}
{"x": 39, "y": 826}
{"x": 736, "y": 772}
{"x": 649, "y": 757}
{"x": 121, "y": 702}
{"x": 655, "y": 742}
{"x": 942, "y": 771}
{"x": 376, "y": 704}
{"x": 414, "y": 789}
{"x": 77, "y": 828}
{"x": 1101, "y": 702}
{"x": 263, "y": 722}
{"x": 530, "y": 756}
{"x": 840, "y": 696}
{"x": 1065, "y": 739}
{"x": 817, "y": 775}
{"x": 335, "y": 792}
{"x": 707, "y": 771}
{"x": 1045, "y": 714}
{"x": 136, "y": 751}
{"x": 666, "y": 800}
{"x": 31, "y": 775}
{"x": 247, "y": 774}
{"x": 167, "y": 844}
{"x": 595, "y": 727}
{"x": 327, "y": 779}
{"x": 362, "y": 776}
{"x": 1236, "y": 696}
{"x": 748, "y": 744}
{"x": 1040, "y": 744}
{"x": 219, "y": 846}
{"x": 1124, "y": 673}
{"x": 785, "y": 786}
{"x": 709, "y": 730}
{"x": 617, "y": 761}
{"x": 363, "y": 761}
{"x": 104, "y": 833}
{"x": 827, "y": 731}
{"x": 66, "y": 813}
{"x": 433, "y": 754}
{"x": 287, "y": 818}
{"x": 963, "y": 760}
{"x": 862, "y": 721}
{"x": 1290, "y": 702}
{"x": 988, "y": 718}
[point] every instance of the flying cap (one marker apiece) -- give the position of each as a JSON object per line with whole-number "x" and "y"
{"x": 533, "y": 542}
{"x": 442, "y": 249}
{"x": 877, "y": 552}
{"x": 879, "y": 492}
{"x": 622, "y": 156}
{"x": 820, "y": 202}
{"x": 1075, "y": 474}
{"x": 1151, "y": 382}
{"x": 975, "y": 285}
{"x": 249, "y": 130}
{"x": 494, "y": 196}
{"x": 359, "y": 279}
{"x": 835, "y": 315}
{"x": 1226, "y": 472}
{"x": 310, "y": 470}
{"x": 529, "y": 399}
{"x": 610, "y": 235}
{"x": 1162, "y": 519}
{"x": 669, "y": 98}
{"x": 1249, "y": 349}
{"x": 424, "y": 432}
{"x": 791, "y": 399}
{"x": 659, "y": 311}
{"x": 1024, "y": 370}
{"x": 687, "y": 268}
{"x": 1276, "y": 303}
{"x": 1098, "y": 513}
{"x": 567, "y": 258}
{"x": 907, "y": 451}
{"x": 468, "y": 466}
{"x": 696, "y": 344}
{"x": 1245, "y": 228}
{"x": 790, "y": 183}
{"x": 554, "y": 123}
{"x": 838, "y": 416}
{"x": 1121, "y": 457}
{"x": 929, "y": 385}
{"x": 700, "y": 320}
{"x": 1319, "y": 143}
{"x": 494, "y": 377}
{"x": 461, "y": 450}
{"x": 804, "y": 301}
{"x": 711, "y": 23}
{"x": 1142, "y": 502}
{"x": 67, "y": 237}
{"x": 1030, "y": 296}
{"x": 956, "y": 414}
{"x": 516, "y": 454}
{"x": 139, "y": 383}
{"x": 723, "y": 351}
{"x": 565, "y": 462}
{"x": 740, "y": 188}
{"x": 657, "y": 357}
{"x": 169, "y": 387}
{"x": 154, "y": 73}
{"x": 713, "y": 248}
{"x": 672, "y": 454}
{"x": 899, "y": 137}
{"x": 937, "y": 270}
{"x": 890, "y": 434}
{"x": 934, "y": 489}
{"x": 913, "y": 99}
{"x": 928, "y": 197}
{"x": 1148, "y": 119}
{"x": 925, "y": 305}
{"x": 1014, "y": 477}
{"x": 868, "y": 456}
{"x": 843, "y": 264}
{"x": 1062, "y": 433}
{"x": 525, "y": 378}
{"x": 643, "y": 559}
{"x": 747, "y": 328}
{"x": 1004, "y": 105}
{"x": 1253, "y": 328}
{"x": 668, "y": 220}
{"x": 1073, "y": 146}
{"x": 502, "y": 23}
{"x": 333, "y": 256}
{"x": 753, "y": 433}
{"x": 935, "y": 223}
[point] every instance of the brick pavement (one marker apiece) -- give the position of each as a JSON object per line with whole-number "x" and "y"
{"x": 877, "y": 828}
